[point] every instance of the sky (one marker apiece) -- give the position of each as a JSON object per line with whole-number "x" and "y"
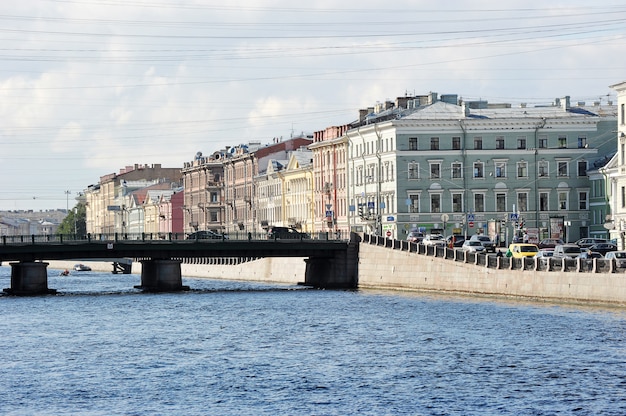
{"x": 88, "y": 87}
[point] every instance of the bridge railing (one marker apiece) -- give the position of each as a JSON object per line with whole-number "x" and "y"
{"x": 172, "y": 237}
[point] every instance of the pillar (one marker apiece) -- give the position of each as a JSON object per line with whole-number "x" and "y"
{"x": 161, "y": 276}
{"x": 29, "y": 278}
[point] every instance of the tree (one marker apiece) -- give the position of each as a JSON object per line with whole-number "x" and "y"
{"x": 74, "y": 222}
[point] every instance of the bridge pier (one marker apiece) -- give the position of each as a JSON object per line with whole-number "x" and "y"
{"x": 161, "y": 276}
{"x": 29, "y": 279}
{"x": 338, "y": 272}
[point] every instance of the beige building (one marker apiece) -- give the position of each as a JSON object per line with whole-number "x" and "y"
{"x": 285, "y": 193}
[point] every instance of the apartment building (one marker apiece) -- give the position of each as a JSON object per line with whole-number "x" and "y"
{"x": 106, "y": 203}
{"x": 246, "y": 163}
{"x": 203, "y": 180}
{"x": 449, "y": 166}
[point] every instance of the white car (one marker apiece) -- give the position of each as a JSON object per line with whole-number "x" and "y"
{"x": 544, "y": 256}
{"x": 473, "y": 246}
{"x": 434, "y": 240}
{"x": 618, "y": 256}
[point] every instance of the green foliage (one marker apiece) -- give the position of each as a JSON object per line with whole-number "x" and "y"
{"x": 74, "y": 222}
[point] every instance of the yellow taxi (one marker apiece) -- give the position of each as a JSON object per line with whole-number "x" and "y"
{"x": 519, "y": 250}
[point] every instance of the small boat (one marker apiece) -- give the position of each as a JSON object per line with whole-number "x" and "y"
{"x": 82, "y": 268}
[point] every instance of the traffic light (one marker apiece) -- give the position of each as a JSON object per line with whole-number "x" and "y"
{"x": 521, "y": 223}
{"x": 361, "y": 210}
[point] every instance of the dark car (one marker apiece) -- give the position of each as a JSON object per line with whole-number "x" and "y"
{"x": 603, "y": 248}
{"x": 285, "y": 233}
{"x": 456, "y": 239}
{"x": 550, "y": 243}
{"x": 588, "y": 242}
{"x": 205, "y": 235}
{"x": 415, "y": 237}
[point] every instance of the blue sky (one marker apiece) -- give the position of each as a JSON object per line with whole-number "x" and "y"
{"x": 90, "y": 86}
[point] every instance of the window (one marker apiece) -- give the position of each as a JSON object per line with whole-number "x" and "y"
{"x": 521, "y": 142}
{"x": 563, "y": 200}
{"x": 582, "y": 168}
{"x": 479, "y": 202}
{"x": 479, "y": 170}
{"x": 582, "y": 142}
{"x": 457, "y": 170}
{"x": 213, "y": 216}
{"x": 500, "y": 142}
{"x": 478, "y": 143}
{"x": 543, "y": 142}
{"x": 543, "y": 201}
{"x": 522, "y": 201}
{"x": 543, "y": 169}
{"x": 562, "y": 142}
{"x": 435, "y": 170}
{"x": 435, "y": 203}
{"x": 562, "y": 169}
{"x": 623, "y": 197}
{"x": 456, "y": 143}
{"x": 414, "y": 200}
{"x": 213, "y": 196}
{"x": 522, "y": 169}
{"x": 583, "y": 200}
{"x": 501, "y": 202}
{"x": 414, "y": 169}
{"x": 457, "y": 202}
{"x": 412, "y": 143}
{"x": 500, "y": 169}
{"x": 622, "y": 113}
{"x": 434, "y": 143}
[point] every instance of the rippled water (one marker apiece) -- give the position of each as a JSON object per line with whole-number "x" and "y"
{"x": 100, "y": 347}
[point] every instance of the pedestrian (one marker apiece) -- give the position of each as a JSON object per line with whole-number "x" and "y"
{"x": 525, "y": 238}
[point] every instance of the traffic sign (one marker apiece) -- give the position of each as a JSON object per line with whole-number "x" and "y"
{"x": 471, "y": 224}
{"x": 470, "y": 217}
{"x": 388, "y": 233}
{"x": 513, "y": 217}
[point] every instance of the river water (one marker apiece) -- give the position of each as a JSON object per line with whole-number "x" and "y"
{"x": 101, "y": 347}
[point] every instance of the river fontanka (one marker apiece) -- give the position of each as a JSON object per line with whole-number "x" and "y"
{"x": 101, "y": 347}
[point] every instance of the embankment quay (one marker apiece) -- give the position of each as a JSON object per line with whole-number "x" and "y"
{"x": 382, "y": 263}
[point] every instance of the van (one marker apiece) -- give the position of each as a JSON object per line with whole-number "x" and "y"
{"x": 567, "y": 250}
{"x": 519, "y": 250}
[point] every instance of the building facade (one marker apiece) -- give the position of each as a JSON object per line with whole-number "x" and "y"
{"x": 454, "y": 167}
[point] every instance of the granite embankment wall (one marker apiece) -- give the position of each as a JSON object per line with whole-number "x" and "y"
{"x": 384, "y": 267}
{"x": 275, "y": 270}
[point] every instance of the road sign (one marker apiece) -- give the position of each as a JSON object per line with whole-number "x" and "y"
{"x": 329, "y": 213}
{"x": 471, "y": 224}
{"x": 513, "y": 217}
{"x": 370, "y": 205}
{"x": 470, "y": 217}
{"x": 388, "y": 233}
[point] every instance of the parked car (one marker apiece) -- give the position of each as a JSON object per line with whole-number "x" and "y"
{"x": 205, "y": 235}
{"x": 519, "y": 250}
{"x": 285, "y": 233}
{"x": 544, "y": 256}
{"x": 550, "y": 243}
{"x": 457, "y": 240}
{"x": 566, "y": 250}
{"x": 415, "y": 237}
{"x": 588, "y": 242}
{"x": 434, "y": 240}
{"x": 485, "y": 241}
{"x": 473, "y": 246}
{"x": 618, "y": 256}
{"x": 603, "y": 248}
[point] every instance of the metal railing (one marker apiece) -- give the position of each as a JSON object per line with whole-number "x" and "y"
{"x": 495, "y": 261}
